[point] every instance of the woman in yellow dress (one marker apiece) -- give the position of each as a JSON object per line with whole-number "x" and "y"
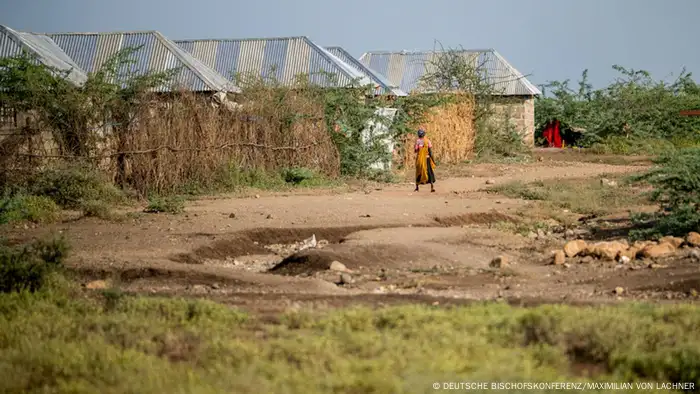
{"x": 425, "y": 165}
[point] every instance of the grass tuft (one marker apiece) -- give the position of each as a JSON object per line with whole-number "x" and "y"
{"x": 123, "y": 343}
{"x": 583, "y": 196}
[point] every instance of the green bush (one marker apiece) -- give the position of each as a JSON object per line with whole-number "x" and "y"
{"x": 97, "y": 208}
{"x": 497, "y": 139}
{"x": 619, "y": 145}
{"x": 127, "y": 344}
{"x": 297, "y": 175}
{"x": 27, "y": 267}
{"x": 71, "y": 187}
{"x": 232, "y": 178}
{"x": 38, "y": 209}
{"x": 634, "y": 115}
{"x": 173, "y": 205}
{"x": 676, "y": 183}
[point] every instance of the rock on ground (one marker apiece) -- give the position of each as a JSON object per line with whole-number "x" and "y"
{"x": 693, "y": 239}
{"x": 662, "y": 249}
{"x": 339, "y": 267}
{"x": 559, "y": 257}
{"x": 499, "y": 262}
{"x": 96, "y": 285}
{"x": 607, "y": 250}
{"x": 675, "y": 241}
{"x": 345, "y": 279}
{"x": 573, "y": 248}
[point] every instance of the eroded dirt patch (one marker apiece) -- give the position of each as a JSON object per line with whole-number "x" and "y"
{"x": 357, "y": 257}
{"x": 478, "y": 218}
{"x": 256, "y": 241}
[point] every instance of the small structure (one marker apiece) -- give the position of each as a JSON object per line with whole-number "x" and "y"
{"x": 157, "y": 54}
{"x": 281, "y": 59}
{"x": 516, "y": 95}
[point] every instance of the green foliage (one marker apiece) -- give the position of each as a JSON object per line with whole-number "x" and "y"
{"x": 297, "y": 175}
{"x": 97, "y": 209}
{"x": 233, "y": 178}
{"x": 20, "y": 207}
{"x": 52, "y": 342}
{"x": 172, "y": 205}
{"x": 73, "y": 186}
{"x": 638, "y": 146}
{"x": 676, "y": 183}
{"x": 351, "y": 113}
{"x": 586, "y": 197}
{"x": 498, "y": 140}
{"x": 633, "y": 109}
{"x": 28, "y": 267}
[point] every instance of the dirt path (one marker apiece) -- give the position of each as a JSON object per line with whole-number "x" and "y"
{"x": 388, "y": 237}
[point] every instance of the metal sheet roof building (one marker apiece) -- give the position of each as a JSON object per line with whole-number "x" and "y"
{"x": 282, "y": 59}
{"x": 158, "y": 54}
{"x": 384, "y": 85}
{"x": 45, "y": 50}
{"x": 406, "y": 69}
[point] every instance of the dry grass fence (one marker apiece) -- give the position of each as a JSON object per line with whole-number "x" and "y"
{"x": 182, "y": 139}
{"x": 451, "y": 129}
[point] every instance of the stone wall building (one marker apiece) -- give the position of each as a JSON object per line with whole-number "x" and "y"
{"x": 516, "y": 95}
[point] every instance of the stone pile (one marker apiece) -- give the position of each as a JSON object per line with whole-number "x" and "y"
{"x": 622, "y": 251}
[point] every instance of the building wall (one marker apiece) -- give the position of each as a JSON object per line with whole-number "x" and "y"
{"x": 521, "y": 112}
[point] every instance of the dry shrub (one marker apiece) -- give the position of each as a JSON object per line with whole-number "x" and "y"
{"x": 185, "y": 141}
{"x": 450, "y": 127}
{"x": 182, "y": 140}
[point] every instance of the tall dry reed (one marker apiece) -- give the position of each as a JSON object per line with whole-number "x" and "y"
{"x": 451, "y": 129}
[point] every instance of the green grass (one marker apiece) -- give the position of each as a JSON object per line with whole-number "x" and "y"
{"x": 73, "y": 187}
{"x": 619, "y": 145}
{"x": 523, "y": 228}
{"x": 172, "y": 205}
{"x": 57, "y": 341}
{"x": 234, "y": 179}
{"x": 27, "y": 267}
{"x": 21, "y": 208}
{"x": 583, "y": 196}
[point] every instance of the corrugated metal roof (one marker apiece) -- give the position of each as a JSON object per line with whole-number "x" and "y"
{"x": 407, "y": 68}
{"x": 280, "y": 58}
{"x": 384, "y": 85}
{"x": 158, "y": 54}
{"x": 14, "y": 43}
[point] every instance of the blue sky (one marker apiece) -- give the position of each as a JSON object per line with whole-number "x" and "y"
{"x": 547, "y": 39}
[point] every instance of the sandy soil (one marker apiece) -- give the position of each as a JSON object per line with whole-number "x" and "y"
{"x": 400, "y": 246}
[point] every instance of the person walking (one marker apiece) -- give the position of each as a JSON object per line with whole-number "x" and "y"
{"x": 425, "y": 165}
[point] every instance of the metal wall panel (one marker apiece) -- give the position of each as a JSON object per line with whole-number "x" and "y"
{"x": 274, "y": 59}
{"x": 298, "y": 60}
{"x": 251, "y": 57}
{"x": 205, "y": 52}
{"x": 227, "y": 55}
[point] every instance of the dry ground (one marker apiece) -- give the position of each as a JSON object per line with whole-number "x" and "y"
{"x": 401, "y": 246}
